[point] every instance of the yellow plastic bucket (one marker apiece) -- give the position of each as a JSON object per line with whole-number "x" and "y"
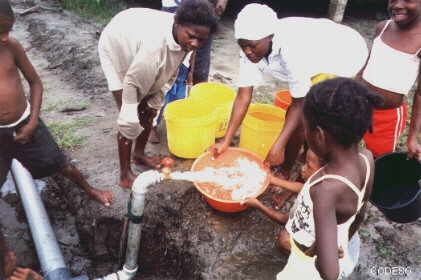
{"x": 220, "y": 97}
{"x": 191, "y": 126}
{"x": 261, "y": 127}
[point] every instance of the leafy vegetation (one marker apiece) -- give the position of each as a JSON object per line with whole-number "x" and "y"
{"x": 65, "y": 132}
{"x": 51, "y": 106}
{"x": 101, "y": 11}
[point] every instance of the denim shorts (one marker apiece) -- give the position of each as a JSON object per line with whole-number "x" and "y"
{"x": 41, "y": 156}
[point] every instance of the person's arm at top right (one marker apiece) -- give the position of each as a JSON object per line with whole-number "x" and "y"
{"x": 414, "y": 147}
{"x": 293, "y": 120}
{"x": 248, "y": 77}
{"x": 239, "y": 110}
{"x": 24, "y": 134}
{"x": 299, "y": 83}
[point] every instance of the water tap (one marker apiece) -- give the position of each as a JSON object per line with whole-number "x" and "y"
{"x": 167, "y": 162}
{"x": 166, "y": 172}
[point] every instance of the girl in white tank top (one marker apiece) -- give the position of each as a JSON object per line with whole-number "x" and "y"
{"x": 392, "y": 69}
{"x": 330, "y": 207}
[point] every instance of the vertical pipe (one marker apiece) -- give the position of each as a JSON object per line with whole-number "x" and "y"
{"x": 136, "y": 207}
{"x": 48, "y": 251}
{"x": 139, "y": 189}
{"x": 135, "y": 230}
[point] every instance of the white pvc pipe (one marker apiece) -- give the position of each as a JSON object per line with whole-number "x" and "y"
{"x": 48, "y": 251}
{"x": 124, "y": 274}
{"x": 139, "y": 190}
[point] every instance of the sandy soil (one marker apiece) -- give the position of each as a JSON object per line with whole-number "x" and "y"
{"x": 62, "y": 48}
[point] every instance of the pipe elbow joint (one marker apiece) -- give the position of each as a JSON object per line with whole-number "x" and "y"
{"x": 146, "y": 179}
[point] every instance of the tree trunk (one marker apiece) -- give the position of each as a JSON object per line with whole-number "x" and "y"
{"x": 337, "y": 9}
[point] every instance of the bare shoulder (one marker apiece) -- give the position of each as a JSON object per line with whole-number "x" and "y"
{"x": 327, "y": 190}
{"x": 8, "y": 54}
{"x": 368, "y": 154}
{"x": 15, "y": 47}
{"x": 371, "y": 161}
{"x": 369, "y": 157}
{"x": 380, "y": 27}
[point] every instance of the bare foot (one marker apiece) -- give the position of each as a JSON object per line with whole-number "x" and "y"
{"x": 154, "y": 137}
{"x": 283, "y": 242}
{"x": 127, "y": 181}
{"x": 104, "y": 197}
{"x": 9, "y": 263}
{"x": 278, "y": 200}
{"x": 25, "y": 274}
{"x": 151, "y": 162}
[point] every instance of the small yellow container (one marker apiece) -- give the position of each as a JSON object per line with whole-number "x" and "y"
{"x": 261, "y": 127}
{"x": 220, "y": 97}
{"x": 191, "y": 127}
{"x": 321, "y": 77}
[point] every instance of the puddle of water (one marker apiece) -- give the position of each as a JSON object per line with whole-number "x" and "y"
{"x": 10, "y": 188}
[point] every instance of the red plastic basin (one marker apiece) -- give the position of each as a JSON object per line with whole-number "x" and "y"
{"x": 226, "y": 159}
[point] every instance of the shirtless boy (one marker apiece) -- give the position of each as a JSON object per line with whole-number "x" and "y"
{"x": 23, "y": 135}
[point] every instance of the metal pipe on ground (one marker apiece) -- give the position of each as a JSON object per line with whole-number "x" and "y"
{"x": 48, "y": 251}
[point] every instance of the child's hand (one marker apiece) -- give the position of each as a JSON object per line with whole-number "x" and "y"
{"x": 216, "y": 149}
{"x": 414, "y": 149}
{"x": 25, "y": 274}
{"x": 24, "y": 134}
{"x": 275, "y": 156}
{"x": 252, "y": 202}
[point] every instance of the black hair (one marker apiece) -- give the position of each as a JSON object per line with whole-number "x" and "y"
{"x": 6, "y": 10}
{"x": 198, "y": 12}
{"x": 342, "y": 107}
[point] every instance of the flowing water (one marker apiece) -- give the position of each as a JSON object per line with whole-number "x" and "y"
{"x": 238, "y": 182}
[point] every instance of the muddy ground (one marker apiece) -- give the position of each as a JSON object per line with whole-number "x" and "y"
{"x": 182, "y": 238}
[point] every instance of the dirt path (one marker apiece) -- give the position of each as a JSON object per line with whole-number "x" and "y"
{"x": 62, "y": 48}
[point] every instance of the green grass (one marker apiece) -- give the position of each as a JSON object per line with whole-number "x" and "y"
{"x": 76, "y": 106}
{"x": 384, "y": 250}
{"x": 65, "y": 133}
{"x": 62, "y": 105}
{"x": 51, "y": 106}
{"x": 101, "y": 11}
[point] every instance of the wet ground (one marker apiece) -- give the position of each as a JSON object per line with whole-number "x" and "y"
{"x": 182, "y": 237}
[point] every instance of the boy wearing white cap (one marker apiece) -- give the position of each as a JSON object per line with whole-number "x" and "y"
{"x": 292, "y": 49}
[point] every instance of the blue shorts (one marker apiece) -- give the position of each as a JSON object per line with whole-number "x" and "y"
{"x": 42, "y": 156}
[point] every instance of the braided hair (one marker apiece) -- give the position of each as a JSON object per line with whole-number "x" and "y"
{"x": 342, "y": 107}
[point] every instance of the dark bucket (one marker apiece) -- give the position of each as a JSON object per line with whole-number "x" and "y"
{"x": 397, "y": 189}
